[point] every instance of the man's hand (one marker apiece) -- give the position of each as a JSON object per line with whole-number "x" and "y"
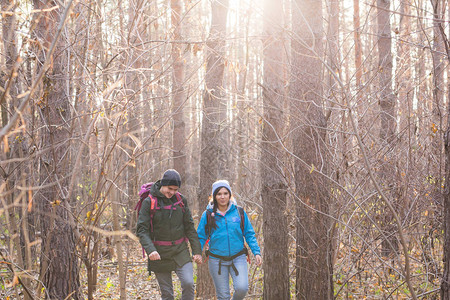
{"x": 154, "y": 256}
{"x": 198, "y": 258}
{"x": 258, "y": 260}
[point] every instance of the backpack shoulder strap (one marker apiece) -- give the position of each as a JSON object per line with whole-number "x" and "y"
{"x": 153, "y": 208}
{"x": 154, "y": 202}
{"x": 208, "y": 223}
{"x": 242, "y": 216}
{"x": 179, "y": 200}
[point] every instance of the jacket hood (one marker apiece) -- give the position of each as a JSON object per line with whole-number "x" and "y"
{"x": 155, "y": 189}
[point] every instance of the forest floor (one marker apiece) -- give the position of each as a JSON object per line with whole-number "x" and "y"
{"x": 352, "y": 280}
{"x": 139, "y": 285}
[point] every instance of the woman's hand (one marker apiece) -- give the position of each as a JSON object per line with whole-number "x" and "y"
{"x": 154, "y": 256}
{"x": 197, "y": 258}
{"x": 258, "y": 260}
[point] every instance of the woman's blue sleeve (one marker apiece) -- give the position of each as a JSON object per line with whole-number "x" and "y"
{"x": 250, "y": 237}
{"x": 201, "y": 230}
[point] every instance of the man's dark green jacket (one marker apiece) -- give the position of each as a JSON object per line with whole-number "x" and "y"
{"x": 168, "y": 225}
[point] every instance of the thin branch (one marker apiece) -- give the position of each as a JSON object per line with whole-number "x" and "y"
{"x": 12, "y": 122}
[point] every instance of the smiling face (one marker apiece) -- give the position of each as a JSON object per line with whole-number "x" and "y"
{"x": 168, "y": 190}
{"x": 223, "y": 198}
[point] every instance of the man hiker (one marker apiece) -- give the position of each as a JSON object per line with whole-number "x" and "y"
{"x": 164, "y": 226}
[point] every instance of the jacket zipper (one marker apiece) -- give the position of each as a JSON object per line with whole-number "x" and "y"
{"x": 228, "y": 235}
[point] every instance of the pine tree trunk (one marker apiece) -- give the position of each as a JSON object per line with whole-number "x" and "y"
{"x": 132, "y": 91}
{"x": 179, "y": 138}
{"x": 313, "y": 263}
{"x": 118, "y": 244}
{"x": 10, "y": 88}
{"x": 445, "y": 283}
{"x": 388, "y": 126}
{"x": 213, "y": 155}
{"x": 358, "y": 46}
{"x": 59, "y": 269}
{"x": 274, "y": 189}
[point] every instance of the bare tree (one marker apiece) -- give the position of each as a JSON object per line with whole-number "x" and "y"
{"x": 213, "y": 147}
{"x": 273, "y": 193}
{"x": 308, "y": 123}
{"x": 9, "y": 89}
{"x": 59, "y": 268}
{"x": 358, "y": 46}
{"x": 179, "y": 96}
{"x": 388, "y": 125}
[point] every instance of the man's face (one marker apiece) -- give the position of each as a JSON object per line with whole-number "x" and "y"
{"x": 168, "y": 190}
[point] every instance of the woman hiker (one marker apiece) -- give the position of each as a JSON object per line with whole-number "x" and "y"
{"x": 225, "y": 225}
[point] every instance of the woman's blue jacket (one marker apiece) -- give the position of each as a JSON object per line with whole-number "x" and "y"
{"x": 227, "y": 239}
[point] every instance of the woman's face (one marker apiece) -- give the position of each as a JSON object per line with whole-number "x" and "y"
{"x": 222, "y": 198}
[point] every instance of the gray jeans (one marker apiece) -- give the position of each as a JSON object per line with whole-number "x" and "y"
{"x": 186, "y": 276}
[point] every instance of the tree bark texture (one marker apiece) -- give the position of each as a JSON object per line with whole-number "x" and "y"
{"x": 59, "y": 269}
{"x": 388, "y": 125}
{"x": 179, "y": 139}
{"x": 8, "y": 75}
{"x": 358, "y": 44}
{"x": 213, "y": 164}
{"x": 445, "y": 283}
{"x": 405, "y": 94}
{"x": 308, "y": 123}
{"x": 133, "y": 90}
{"x": 273, "y": 194}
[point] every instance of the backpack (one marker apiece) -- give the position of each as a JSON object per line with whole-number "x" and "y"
{"x": 209, "y": 218}
{"x": 144, "y": 193}
{"x": 208, "y": 234}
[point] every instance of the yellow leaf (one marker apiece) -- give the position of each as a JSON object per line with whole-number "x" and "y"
{"x": 312, "y": 168}
{"x": 433, "y": 128}
{"x": 15, "y": 281}
{"x": 30, "y": 200}
{"x": 5, "y": 141}
{"x": 88, "y": 214}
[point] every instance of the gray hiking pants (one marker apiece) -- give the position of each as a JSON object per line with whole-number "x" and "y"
{"x": 186, "y": 276}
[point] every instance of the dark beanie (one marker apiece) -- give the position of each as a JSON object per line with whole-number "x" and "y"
{"x": 171, "y": 177}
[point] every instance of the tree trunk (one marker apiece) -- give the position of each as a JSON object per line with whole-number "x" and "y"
{"x": 133, "y": 88}
{"x": 59, "y": 269}
{"x": 438, "y": 86}
{"x": 10, "y": 88}
{"x": 273, "y": 194}
{"x": 179, "y": 138}
{"x": 308, "y": 123}
{"x": 387, "y": 124}
{"x": 445, "y": 284}
{"x": 358, "y": 47}
{"x": 118, "y": 243}
{"x": 213, "y": 155}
